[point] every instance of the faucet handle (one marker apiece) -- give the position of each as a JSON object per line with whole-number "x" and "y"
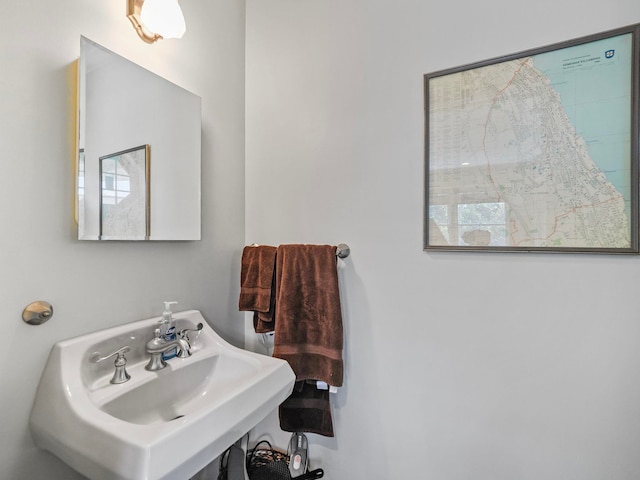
{"x": 97, "y": 358}
{"x": 120, "y": 375}
{"x": 184, "y": 332}
{"x": 184, "y": 335}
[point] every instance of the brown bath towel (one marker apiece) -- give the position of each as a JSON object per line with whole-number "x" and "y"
{"x": 308, "y": 324}
{"x": 308, "y": 319}
{"x": 257, "y": 290}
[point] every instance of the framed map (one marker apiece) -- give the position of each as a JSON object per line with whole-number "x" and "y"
{"x": 536, "y": 151}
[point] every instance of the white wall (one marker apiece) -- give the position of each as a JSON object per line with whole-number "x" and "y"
{"x": 458, "y": 366}
{"x": 94, "y": 285}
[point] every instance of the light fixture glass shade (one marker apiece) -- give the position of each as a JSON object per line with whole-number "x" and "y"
{"x": 163, "y": 17}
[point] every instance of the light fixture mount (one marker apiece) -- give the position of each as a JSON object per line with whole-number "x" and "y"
{"x": 154, "y": 19}
{"x": 134, "y": 7}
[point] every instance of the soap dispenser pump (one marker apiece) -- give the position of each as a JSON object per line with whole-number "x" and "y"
{"x": 168, "y": 329}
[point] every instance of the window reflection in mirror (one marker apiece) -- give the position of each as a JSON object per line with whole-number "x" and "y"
{"x": 478, "y": 224}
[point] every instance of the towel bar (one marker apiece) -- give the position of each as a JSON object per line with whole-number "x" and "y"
{"x": 342, "y": 249}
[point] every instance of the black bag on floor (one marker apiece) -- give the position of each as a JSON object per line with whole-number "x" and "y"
{"x": 266, "y": 463}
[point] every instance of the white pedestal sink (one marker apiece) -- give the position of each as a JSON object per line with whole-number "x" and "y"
{"x": 166, "y": 424}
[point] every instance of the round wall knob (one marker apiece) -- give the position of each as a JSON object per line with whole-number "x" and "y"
{"x": 37, "y": 313}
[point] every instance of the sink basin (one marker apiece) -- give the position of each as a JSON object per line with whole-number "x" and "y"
{"x": 165, "y": 424}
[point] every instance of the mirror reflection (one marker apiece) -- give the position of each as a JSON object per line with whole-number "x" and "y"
{"x": 138, "y": 175}
{"x": 124, "y": 195}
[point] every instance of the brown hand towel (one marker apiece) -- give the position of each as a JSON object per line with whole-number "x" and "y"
{"x": 308, "y": 319}
{"x": 257, "y": 292}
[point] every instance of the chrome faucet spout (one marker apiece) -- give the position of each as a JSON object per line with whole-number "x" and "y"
{"x": 158, "y": 346}
{"x": 162, "y": 346}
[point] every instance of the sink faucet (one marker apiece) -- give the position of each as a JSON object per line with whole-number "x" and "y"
{"x": 158, "y": 346}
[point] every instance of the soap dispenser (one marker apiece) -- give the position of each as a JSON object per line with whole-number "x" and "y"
{"x": 168, "y": 329}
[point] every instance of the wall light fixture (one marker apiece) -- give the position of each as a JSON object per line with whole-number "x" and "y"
{"x": 154, "y": 19}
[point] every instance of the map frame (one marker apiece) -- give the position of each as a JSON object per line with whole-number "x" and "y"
{"x": 439, "y": 184}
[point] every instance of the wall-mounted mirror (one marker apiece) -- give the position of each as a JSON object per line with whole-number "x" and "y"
{"x": 139, "y": 138}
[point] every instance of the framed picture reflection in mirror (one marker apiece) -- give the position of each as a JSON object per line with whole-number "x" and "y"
{"x": 124, "y": 194}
